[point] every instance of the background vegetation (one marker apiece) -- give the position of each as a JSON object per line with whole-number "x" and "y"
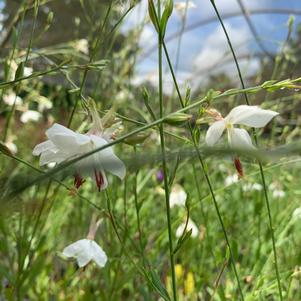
{"x": 57, "y": 54}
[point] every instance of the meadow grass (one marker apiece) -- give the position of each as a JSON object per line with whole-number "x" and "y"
{"x": 231, "y": 237}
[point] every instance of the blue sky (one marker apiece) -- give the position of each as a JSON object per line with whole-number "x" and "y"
{"x": 204, "y": 49}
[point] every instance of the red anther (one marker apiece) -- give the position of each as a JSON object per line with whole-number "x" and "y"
{"x": 238, "y": 167}
{"x": 78, "y": 181}
{"x": 99, "y": 179}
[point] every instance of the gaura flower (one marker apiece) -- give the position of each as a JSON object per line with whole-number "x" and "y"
{"x": 85, "y": 250}
{"x": 252, "y": 187}
{"x": 190, "y": 226}
{"x": 297, "y": 213}
{"x": 177, "y": 196}
{"x": 64, "y": 144}
{"x": 11, "y": 99}
{"x": 231, "y": 179}
{"x": 252, "y": 116}
{"x": 277, "y": 192}
{"x": 30, "y": 116}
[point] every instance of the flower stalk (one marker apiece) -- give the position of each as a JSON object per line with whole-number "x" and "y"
{"x": 259, "y": 163}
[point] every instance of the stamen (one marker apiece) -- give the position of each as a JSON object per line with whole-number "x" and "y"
{"x": 78, "y": 181}
{"x": 238, "y": 167}
{"x": 99, "y": 179}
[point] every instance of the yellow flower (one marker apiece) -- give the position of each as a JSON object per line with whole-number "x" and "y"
{"x": 179, "y": 271}
{"x": 189, "y": 284}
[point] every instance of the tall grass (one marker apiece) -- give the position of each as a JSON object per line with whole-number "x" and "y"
{"x": 241, "y": 251}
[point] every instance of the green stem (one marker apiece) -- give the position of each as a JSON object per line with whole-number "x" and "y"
{"x": 259, "y": 163}
{"x": 137, "y": 213}
{"x": 164, "y": 165}
{"x": 206, "y": 177}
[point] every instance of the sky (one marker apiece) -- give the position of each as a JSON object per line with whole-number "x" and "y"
{"x": 204, "y": 50}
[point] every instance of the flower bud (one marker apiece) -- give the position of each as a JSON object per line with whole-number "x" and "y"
{"x": 177, "y": 118}
{"x": 137, "y": 139}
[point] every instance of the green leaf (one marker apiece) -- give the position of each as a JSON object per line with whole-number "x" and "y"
{"x": 158, "y": 286}
{"x": 182, "y": 241}
{"x": 165, "y": 16}
{"x": 152, "y": 14}
{"x": 20, "y": 71}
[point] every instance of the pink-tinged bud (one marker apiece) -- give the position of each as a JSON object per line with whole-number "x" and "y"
{"x": 238, "y": 167}
{"x": 215, "y": 114}
{"x": 78, "y": 181}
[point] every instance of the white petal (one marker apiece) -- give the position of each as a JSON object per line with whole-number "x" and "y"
{"x": 80, "y": 250}
{"x": 30, "y": 116}
{"x": 177, "y": 196}
{"x": 99, "y": 142}
{"x": 58, "y": 129}
{"x": 107, "y": 160}
{"x": 52, "y": 157}
{"x": 214, "y": 132}
{"x": 190, "y": 226}
{"x": 42, "y": 147}
{"x": 93, "y": 176}
{"x": 65, "y": 143}
{"x": 115, "y": 166}
{"x": 239, "y": 138}
{"x": 98, "y": 255}
{"x": 250, "y": 115}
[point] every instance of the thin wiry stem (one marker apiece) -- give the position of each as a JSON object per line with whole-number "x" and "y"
{"x": 99, "y": 36}
{"x": 204, "y": 169}
{"x": 164, "y": 165}
{"x": 206, "y": 176}
{"x": 259, "y": 163}
{"x": 253, "y": 29}
{"x": 209, "y": 20}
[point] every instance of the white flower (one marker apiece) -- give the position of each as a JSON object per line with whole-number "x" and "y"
{"x": 180, "y": 7}
{"x": 84, "y": 251}
{"x": 177, "y": 196}
{"x": 278, "y": 194}
{"x": 12, "y": 98}
{"x": 245, "y": 115}
{"x": 27, "y": 71}
{"x": 82, "y": 46}
{"x": 190, "y": 226}
{"x": 297, "y": 213}
{"x": 30, "y": 116}
{"x": 64, "y": 144}
{"x": 231, "y": 179}
{"x": 252, "y": 187}
{"x": 43, "y": 103}
{"x": 12, "y": 147}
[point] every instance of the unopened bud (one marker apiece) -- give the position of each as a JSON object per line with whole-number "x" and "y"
{"x": 238, "y": 167}
{"x": 137, "y": 139}
{"x": 177, "y": 118}
{"x": 50, "y": 18}
{"x": 215, "y": 114}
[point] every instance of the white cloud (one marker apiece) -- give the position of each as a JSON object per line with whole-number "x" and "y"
{"x": 147, "y": 35}
{"x": 216, "y": 46}
{"x": 215, "y": 55}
